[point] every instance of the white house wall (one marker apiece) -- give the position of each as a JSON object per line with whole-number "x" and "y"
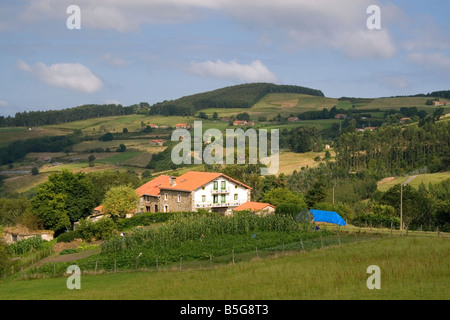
{"x": 231, "y": 187}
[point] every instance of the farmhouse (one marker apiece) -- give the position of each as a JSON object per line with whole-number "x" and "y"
{"x": 190, "y": 192}
{"x": 183, "y": 126}
{"x": 292, "y": 119}
{"x": 240, "y": 123}
{"x": 158, "y": 142}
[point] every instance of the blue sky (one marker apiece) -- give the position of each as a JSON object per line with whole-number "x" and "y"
{"x": 153, "y": 50}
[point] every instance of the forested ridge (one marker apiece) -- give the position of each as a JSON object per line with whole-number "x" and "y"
{"x": 239, "y": 96}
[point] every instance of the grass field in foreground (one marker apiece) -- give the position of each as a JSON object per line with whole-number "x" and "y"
{"x": 413, "y": 268}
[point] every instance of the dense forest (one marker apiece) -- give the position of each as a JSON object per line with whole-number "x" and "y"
{"x": 240, "y": 96}
{"x": 393, "y": 150}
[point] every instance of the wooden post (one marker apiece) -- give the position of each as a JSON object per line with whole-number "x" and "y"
{"x": 301, "y": 242}
{"x": 157, "y": 268}
{"x": 210, "y": 260}
{"x": 233, "y": 255}
{"x": 339, "y": 238}
{"x": 96, "y": 265}
{"x": 181, "y": 259}
{"x": 257, "y": 252}
{"x": 321, "y": 240}
{"x": 115, "y": 269}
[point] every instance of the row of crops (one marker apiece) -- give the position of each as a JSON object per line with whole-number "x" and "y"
{"x": 189, "y": 237}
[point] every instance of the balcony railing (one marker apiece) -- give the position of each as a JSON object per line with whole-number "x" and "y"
{"x": 216, "y": 205}
{"x": 220, "y": 190}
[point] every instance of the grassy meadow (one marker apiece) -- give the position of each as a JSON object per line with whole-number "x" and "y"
{"x": 433, "y": 178}
{"x": 412, "y": 268}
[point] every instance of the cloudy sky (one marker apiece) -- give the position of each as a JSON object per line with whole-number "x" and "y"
{"x": 153, "y": 50}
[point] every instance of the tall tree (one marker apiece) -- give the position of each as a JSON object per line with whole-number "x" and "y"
{"x": 64, "y": 199}
{"x": 120, "y": 201}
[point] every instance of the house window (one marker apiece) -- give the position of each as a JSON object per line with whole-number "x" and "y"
{"x": 235, "y": 196}
{"x": 235, "y": 187}
{"x": 216, "y": 185}
{"x": 215, "y": 198}
{"x": 179, "y": 198}
{"x": 203, "y": 198}
{"x": 224, "y": 198}
{"x": 223, "y": 185}
{"x": 203, "y": 188}
{"x": 166, "y": 208}
{"x": 166, "y": 196}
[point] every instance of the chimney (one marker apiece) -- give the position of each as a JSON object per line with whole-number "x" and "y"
{"x": 173, "y": 181}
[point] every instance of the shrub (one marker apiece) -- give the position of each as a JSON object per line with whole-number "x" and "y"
{"x": 100, "y": 230}
{"x": 4, "y": 255}
{"x": 69, "y": 236}
{"x": 290, "y": 209}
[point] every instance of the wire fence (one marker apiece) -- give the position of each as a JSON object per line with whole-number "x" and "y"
{"x": 28, "y": 268}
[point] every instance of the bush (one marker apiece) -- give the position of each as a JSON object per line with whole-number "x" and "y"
{"x": 290, "y": 209}
{"x": 143, "y": 219}
{"x": 69, "y": 236}
{"x": 4, "y": 255}
{"x": 100, "y": 230}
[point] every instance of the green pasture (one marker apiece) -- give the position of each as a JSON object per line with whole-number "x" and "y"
{"x": 433, "y": 178}
{"x": 411, "y": 267}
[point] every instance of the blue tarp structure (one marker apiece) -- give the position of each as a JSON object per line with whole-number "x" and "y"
{"x": 328, "y": 217}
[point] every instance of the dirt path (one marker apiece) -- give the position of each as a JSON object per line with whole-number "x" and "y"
{"x": 68, "y": 257}
{"x": 409, "y": 180}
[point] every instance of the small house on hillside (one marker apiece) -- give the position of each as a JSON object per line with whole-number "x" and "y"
{"x": 183, "y": 126}
{"x": 19, "y": 233}
{"x": 158, "y": 142}
{"x": 240, "y": 123}
{"x": 258, "y": 208}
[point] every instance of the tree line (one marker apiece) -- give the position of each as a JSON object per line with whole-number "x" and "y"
{"x": 393, "y": 150}
{"x": 49, "y": 117}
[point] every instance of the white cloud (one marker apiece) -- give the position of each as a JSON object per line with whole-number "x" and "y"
{"x": 119, "y": 15}
{"x": 71, "y": 76}
{"x": 306, "y": 24}
{"x": 3, "y": 103}
{"x": 435, "y": 60}
{"x": 253, "y": 72}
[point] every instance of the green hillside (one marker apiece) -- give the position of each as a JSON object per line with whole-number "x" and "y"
{"x": 239, "y": 96}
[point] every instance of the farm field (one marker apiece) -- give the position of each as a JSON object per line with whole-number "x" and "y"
{"x": 432, "y": 178}
{"x": 8, "y": 135}
{"x": 412, "y": 268}
{"x": 290, "y": 161}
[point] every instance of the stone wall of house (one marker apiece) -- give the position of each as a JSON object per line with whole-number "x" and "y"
{"x": 176, "y": 201}
{"x": 149, "y": 204}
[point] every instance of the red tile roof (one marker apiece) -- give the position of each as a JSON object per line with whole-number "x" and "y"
{"x": 253, "y": 206}
{"x": 193, "y": 180}
{"x": 152, "y": 188}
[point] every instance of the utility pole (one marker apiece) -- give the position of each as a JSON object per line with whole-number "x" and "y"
{"x": 401, "y": 206}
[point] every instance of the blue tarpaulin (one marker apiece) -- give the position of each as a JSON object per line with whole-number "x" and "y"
{"x": 328, "y": 217}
